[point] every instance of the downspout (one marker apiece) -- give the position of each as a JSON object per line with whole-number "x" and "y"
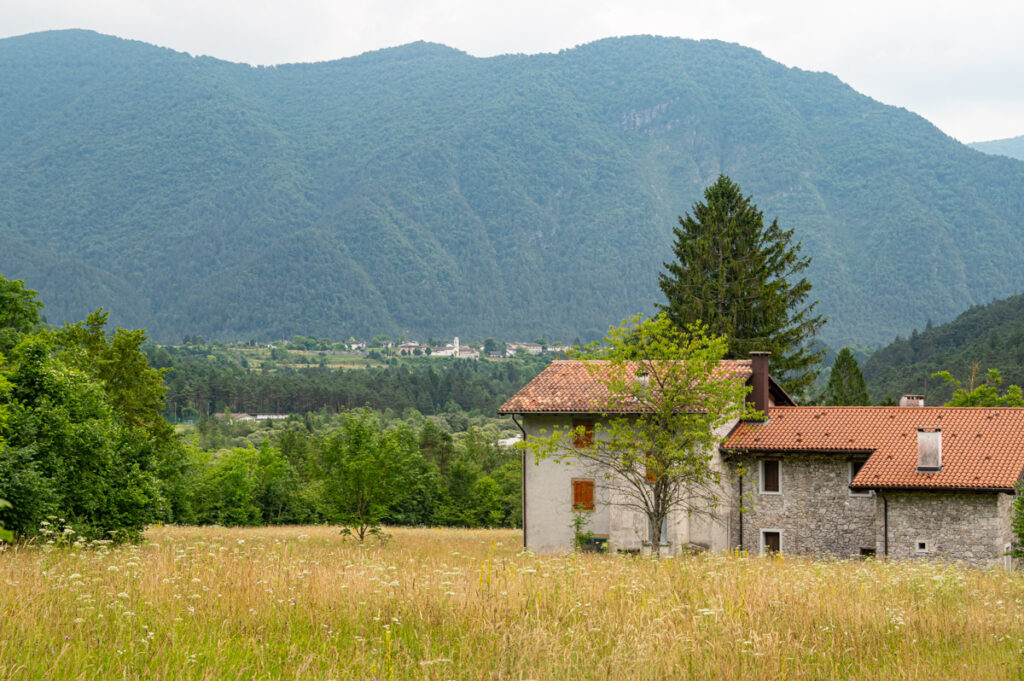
{"x": 739, "y": 508}
{"x": 523, "y": 481}
{"x": 885, "y": 524}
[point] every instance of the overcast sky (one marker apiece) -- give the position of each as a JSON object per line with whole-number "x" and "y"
{"x": 958, "y": 64}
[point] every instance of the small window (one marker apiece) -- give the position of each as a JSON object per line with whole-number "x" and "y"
{"x": 922, "y": 547}
{"x": 771, "y": 541}
{"x": 855, "y": 467}
{"x": 582, "y": 433}
{"x": 771, "y": 480}
{"x": 583, "y": 495}
{"x": 867, "y": 553}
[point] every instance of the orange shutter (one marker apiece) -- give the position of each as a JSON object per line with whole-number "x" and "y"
{"x": 585, "y": 437}
{"x": 583, "y": 495}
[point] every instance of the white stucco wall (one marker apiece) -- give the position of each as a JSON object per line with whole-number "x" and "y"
{"x": 548, "y": 496}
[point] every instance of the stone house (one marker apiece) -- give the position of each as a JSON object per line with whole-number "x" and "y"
{"x": 903, "y": 482}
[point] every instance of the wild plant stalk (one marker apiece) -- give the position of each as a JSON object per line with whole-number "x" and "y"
{"x": 300, "y": 602}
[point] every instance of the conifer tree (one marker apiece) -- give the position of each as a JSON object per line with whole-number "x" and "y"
{"x": 846, "y": 385}
{"x": 741, "y": 279}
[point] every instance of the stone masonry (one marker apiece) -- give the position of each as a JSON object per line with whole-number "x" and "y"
{"x": 815, "y": 511}
{"x": 969, "y": 527}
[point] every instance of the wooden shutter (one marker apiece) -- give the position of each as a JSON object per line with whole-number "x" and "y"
{"x": 770, "y": 471}
{"x": 583, "y": 495}
{"x": 585, "y": 437}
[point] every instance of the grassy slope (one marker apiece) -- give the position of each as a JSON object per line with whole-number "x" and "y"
{"x": 443, "y": 604}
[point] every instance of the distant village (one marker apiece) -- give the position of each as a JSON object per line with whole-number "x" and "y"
{"x": 489, "y": 348}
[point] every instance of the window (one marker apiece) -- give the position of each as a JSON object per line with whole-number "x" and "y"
{"x": 867, "y": 553}
{"x": 771, "y": 478}
{"x": 855, "y": 467}
{"x": 582, "y": 433}
{"x": 582, "y": 495}
{"x": 922, "y": 546}
{"x": 771, "y": 541}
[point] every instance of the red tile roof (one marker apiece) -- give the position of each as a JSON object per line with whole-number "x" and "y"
{"x": 982, "y": 448}
{"x": 574, "y": 386}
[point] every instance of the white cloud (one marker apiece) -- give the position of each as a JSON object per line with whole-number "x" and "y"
{"x": 956, "y": 64}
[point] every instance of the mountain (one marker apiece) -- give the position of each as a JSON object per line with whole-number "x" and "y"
{"x": 1012, "y": 147}
{"x": 421, "y": 191}
{"x": 991, "y": 335}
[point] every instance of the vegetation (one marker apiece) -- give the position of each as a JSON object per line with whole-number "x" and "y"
{"x": 419, "y": 190}
{"x": 1012, "y": 147}
{"x": 991, "y": 336}
{"x": 660, "y": 460}
{"x": 846, "y": 386}
{"x": 302, "y": 602}
{"x": 981, "y": 393}
{"x": 739, "y": 277}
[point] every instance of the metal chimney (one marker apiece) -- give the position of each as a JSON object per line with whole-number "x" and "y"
{"x": 759, "y": 366}
{"x": 929, "y": 450}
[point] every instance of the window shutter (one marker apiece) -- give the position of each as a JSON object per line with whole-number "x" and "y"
{"x": 581, "y": 440}
{"x": 583, "y": 495}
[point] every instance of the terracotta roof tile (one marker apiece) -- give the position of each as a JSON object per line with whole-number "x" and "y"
{"x": 982, "y": 448}
{"x": 569, "y": 386}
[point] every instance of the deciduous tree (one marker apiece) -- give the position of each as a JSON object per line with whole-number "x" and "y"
{"x": 653, "y": 441}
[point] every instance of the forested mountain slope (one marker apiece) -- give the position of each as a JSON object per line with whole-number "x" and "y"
{"x": 1012, "y": 147}
{"x": 991, "y": 335}
{"x": 421, "y": 191}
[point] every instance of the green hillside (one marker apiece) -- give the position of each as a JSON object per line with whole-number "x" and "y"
{"x": 1012, "y": 147}
{"x": 991, "y": 335}
{"x": 421, "y": 191}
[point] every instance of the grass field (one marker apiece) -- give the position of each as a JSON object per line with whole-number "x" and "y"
{"x": 302, "y": 603}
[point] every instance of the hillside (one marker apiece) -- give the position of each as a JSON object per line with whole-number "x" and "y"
{"x": 1012, "y": 147}
{"x": 991, "y": 335}
{"x": 421, "y": 191}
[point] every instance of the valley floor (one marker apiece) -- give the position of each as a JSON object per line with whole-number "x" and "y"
{"x": 304, "y": 603}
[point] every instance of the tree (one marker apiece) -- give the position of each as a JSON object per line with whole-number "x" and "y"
{"x": 740, "y": 279}
{"x": 846, "y": 385}
{"x": 368, "y": 470}
{"x": 653, "y": 441}
{"x": 981, "y": 394}
{"x": 19, "y": 312}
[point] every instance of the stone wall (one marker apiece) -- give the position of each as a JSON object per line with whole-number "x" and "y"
{"x": 815, "y": 511}
{"x": 972, "y": 527}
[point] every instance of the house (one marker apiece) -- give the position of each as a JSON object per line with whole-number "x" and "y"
{"x": 904, "y": 482}
{"x": 532, "y": 348}
{"x": 568, "y": 394}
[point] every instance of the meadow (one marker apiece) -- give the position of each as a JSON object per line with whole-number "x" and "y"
{"x": 305, "y": 603}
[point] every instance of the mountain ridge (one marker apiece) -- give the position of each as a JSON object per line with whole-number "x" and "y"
{"x": 419, "y": 190}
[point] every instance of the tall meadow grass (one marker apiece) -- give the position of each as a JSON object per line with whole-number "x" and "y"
{"x": 303, "y": 603}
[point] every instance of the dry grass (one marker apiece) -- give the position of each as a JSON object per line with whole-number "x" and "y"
{"x": 301, "y": 603}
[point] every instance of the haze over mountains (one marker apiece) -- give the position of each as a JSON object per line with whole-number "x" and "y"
{"x": 421, "y": 191}
{"x": 1012, "y": 147}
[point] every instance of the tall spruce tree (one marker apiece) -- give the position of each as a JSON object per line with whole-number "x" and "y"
{"x": 740, "y": 278}
{"x": 846, "y": 385}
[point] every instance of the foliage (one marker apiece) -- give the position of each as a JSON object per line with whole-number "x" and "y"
{"x": 739, "y": 277}
{"x": 19, "y": 312}
{"x": 1017, "y": 523}
{"x": 846, "y": 385}
{"x": 5, "y": 535}
{"x": 419, "y": 190}
{"x": 990, "y": 335}
{"x": 368, "y": 471}
{"x": 667, "y": 398}
{"x": 984, "y": 394}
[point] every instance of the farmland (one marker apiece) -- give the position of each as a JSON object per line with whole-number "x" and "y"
{"x": 304, "y": 603}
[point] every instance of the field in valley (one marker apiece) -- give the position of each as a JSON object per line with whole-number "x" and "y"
{"x": 303, "y": 603}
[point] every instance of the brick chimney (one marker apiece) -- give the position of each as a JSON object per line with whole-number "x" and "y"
{"x": 912, "y": 401}
{"x": 759, "y": 365}
{"x": 929, "y": 450}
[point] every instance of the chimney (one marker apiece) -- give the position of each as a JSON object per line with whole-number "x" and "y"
{"x": 759, "y": 365}
{"x": 929, "y": 450}
{"x": 912, "y": 401}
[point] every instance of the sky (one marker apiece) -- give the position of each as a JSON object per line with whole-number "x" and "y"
{"x": 958, "y": 64}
